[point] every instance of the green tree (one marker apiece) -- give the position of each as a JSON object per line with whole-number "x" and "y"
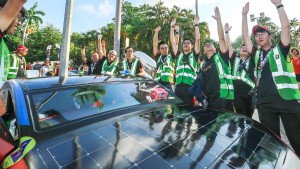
{"x": 295, "y": 32}
{"x": 37, "y": 43}
{"x": 32, "y": 21}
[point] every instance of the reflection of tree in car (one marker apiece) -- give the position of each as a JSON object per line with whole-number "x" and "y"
{"x": 90, "y": 93}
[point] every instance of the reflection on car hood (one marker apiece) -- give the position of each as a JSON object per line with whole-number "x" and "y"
{"x": 173, "y": 137}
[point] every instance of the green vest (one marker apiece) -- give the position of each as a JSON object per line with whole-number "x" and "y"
{"x": 14, "y": 66}
{"x": 186, "y": 73}
{"x": 165, "y": 71}
{"x": 133, "y": 66}
{"x": 242, "y": 74}
{"x": 112, "y": 69}
{"x": 283, "y": 74}
{"x": 226, "y": 85}
{"x": 4, "y": 62}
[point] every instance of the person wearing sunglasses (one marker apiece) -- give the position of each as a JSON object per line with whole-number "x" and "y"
{"x": 186, "y": 64}
{"x": 46, "y": 69}
{"x": 11, "y": 13}
{"x": 18, "y": 63}
{"x": 217, "y": 80}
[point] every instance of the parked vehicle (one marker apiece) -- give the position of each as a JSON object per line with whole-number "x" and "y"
{"x": 126, "y": 122}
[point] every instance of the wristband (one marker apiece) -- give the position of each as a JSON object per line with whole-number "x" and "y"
{"x": 279, "y": 6}
{"x": 226, "y": 32}
{"x": 176, "y": 33}
{"x": 173, "y": 26}
{"x": 196, "y": 25}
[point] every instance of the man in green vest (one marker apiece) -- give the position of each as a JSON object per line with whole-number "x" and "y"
{"x": 217, "y": 79}
{"x": 243, "y": 77}
{"x": 164, "y": 60}
{"x": 132, "y": 65}
{"x": 186, "y": 64}
{"x": 18, "y": 63}
{"x": 11, "y": 13}
{"x": 278, "y": 92}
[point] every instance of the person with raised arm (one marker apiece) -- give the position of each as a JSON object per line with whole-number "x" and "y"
{"x": 186, "y": 64}
{"x": 277, "y": 91}
{"x": 217, "y": 80}
{"x": 243, "y": 77}
{"x": 164, "y": 60}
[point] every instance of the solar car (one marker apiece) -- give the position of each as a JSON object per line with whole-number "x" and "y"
{"x": 121, "y": 122}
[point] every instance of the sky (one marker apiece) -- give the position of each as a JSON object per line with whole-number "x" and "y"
{"x": 94, "y": 14}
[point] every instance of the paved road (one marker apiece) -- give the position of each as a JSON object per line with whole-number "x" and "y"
{"x": 282, "y": 132}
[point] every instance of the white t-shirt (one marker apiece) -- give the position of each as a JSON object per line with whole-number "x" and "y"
{"x": 45, "y": 69}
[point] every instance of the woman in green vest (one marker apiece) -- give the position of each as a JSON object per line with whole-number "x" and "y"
{"x": 109, "y": 66}
{"x": 278, "y": 91}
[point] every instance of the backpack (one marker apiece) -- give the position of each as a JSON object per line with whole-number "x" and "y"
{"x": 197, "y": 90}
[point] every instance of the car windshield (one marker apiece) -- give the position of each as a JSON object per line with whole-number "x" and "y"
{"x": 65, "y": 105}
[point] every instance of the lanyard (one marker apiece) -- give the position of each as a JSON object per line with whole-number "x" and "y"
{"x": 263, "y": 60}
{"x": 262, "y": 64}
{"x": 93, "y": 67}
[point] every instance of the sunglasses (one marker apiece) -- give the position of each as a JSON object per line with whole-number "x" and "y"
{"x": 186, "y": 43}
{"x": 207, "y": 44}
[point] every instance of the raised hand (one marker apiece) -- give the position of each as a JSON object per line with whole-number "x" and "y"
{"x": 173, "y": 22}
{"x": 99, "y": 36}
{"x": 276, "y": 2}
{"x": 227, "y": 28}
{"x": 157, "y": 29}
{"x": 217, "y": 14}
{"x": 176, "y": 28}
{"x": 245, "y": 9}
{"x": 196, "y": 20}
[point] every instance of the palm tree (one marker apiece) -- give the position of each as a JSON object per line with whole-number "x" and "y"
{"x": 294, "y": 31}
{"x": 90, "y": 93}
{"x": 32, "y": 20}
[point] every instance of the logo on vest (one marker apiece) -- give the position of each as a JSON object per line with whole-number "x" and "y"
{"x": 277, "y": 56}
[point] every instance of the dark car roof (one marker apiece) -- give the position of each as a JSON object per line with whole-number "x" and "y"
{"x": 46, "y": 83}
{"x": 170, "y": 137}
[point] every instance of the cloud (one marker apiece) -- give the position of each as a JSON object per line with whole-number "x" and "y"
{"x": 106, "y": 8}
{"x": 103, "y": 9}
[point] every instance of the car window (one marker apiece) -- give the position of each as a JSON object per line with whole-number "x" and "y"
{"x": 62, "y": 106}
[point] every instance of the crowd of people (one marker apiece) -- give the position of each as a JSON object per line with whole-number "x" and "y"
{"x": 228, "y": 80}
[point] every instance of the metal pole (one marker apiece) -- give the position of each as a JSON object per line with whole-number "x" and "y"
{"x": 117, "y": 31}
{"x": 197, "y": 8}
{"x": 65, "y": 46}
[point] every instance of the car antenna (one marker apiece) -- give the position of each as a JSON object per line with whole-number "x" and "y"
{"x": 65, "y": 47}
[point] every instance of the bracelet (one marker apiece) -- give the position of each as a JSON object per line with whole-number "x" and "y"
{"x": 176, "y": 33}
{"x": 196, "y": 25}
{"x": 226, "y": 32}
{"x": 173, "y": 26}
{"x": 279, "y": 6}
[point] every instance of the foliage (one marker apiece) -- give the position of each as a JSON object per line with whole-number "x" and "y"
{"x": 32, "y": 21}
{"x": 37, "y": 43}
{"x": 138, "y": 25}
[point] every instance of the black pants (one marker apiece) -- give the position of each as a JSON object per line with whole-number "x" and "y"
{"x": 243, "y": 104}
{"x": 182, "y": 91}
{"x": 220, "y": 104}
{"x": 291, "y": 123}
